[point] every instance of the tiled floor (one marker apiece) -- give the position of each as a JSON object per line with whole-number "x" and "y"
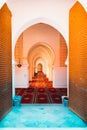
{"x": 42, "y": 116}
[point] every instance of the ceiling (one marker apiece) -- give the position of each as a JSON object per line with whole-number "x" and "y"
{"x": 52, "y": 12}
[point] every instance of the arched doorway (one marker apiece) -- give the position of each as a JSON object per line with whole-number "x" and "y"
{"x": 39, "y": 67}
{"x": 42, "y": 58}
{"x": 52, "y": 55}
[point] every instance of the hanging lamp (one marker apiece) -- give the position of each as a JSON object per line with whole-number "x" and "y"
{"x": 19, "y": 64}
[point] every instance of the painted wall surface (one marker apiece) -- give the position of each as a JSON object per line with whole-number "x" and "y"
{"x": 60, "y": 77}
{"x": 22, "y": 77}
{"x": 41, "y": 33}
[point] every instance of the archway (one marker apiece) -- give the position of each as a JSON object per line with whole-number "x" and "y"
{"x": 39, "y": 67}
{"x": 51, "y": 54}
{"x": 40, "y": 55}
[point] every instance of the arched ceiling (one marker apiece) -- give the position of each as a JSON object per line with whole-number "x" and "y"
{"x": 40, "y": 41}
{"x": 41, "y": 51}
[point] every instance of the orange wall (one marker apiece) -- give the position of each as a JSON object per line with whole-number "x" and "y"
{"x": 5, "y": 62}
{"x": 78, "y": 61}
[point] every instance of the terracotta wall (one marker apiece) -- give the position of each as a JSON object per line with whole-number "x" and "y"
{"x": 78, "y": 61}
{"x": 5, "y": 61}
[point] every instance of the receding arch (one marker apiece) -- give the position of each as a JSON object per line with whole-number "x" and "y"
{"x": 62, "y": 39}
{"x": 41, "y": 53}
{"x": 40, "y": 67}
{"x": 48, "y": 53}
{"x": 43, "y": 20}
